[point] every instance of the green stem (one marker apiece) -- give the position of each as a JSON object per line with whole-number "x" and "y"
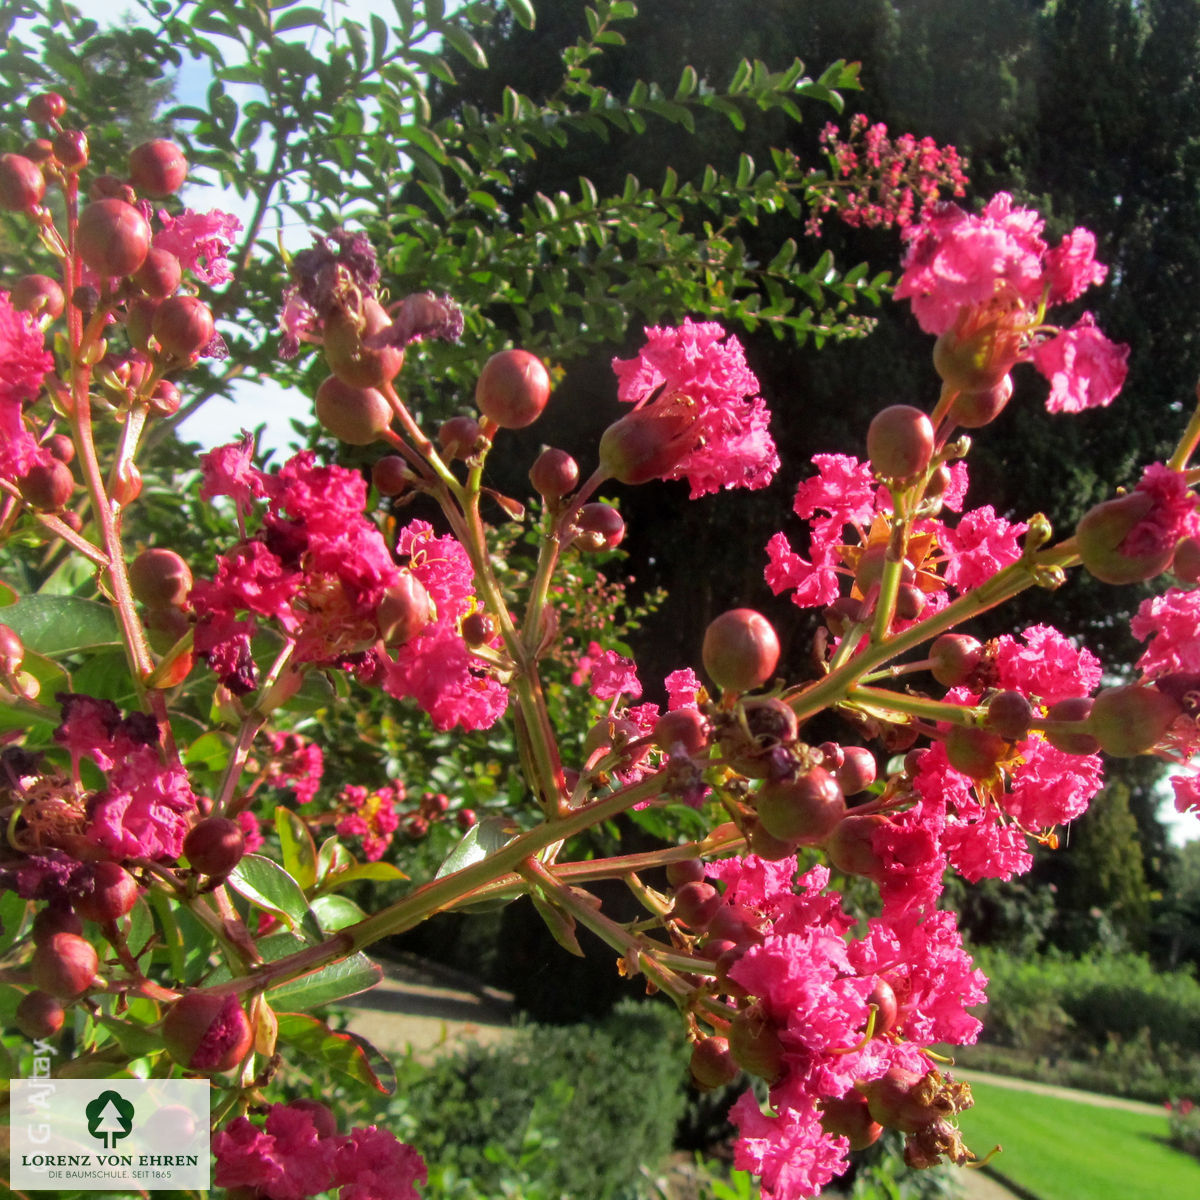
{"x": 917, "y": 706}
{"x": 1188, "y": 440}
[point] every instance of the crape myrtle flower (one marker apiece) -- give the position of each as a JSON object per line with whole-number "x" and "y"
{"x": 24, "y": 363}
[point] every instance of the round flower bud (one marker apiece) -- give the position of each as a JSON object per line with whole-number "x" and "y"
{"x": 601, "y": 527}
{"x": 895, "y": 1101}
{"x": 850, "y": 1117}
{"x": 354, "y": 415}
{"x": 21, "y": 184}
{"x": 887, "y": 1009}
{"x": 760, "y": 743}
{"x": 554, "y": 474}
{"x": 684, "y": 727}
{"x": 513, "y": 389}
{"x": 55, "y": 918}
{"x": 38, "y": 150}
{"x": 12, "y": 650}
{"x": 954, "y": 658}
{"x": 348, "y": 354}
{"x": 696, "y": 904}
{"x": 973, "y": 363}
{"x": 768, "y": 847}
{"x": 899, "y": 442}
{"x": 478, "y": 629}
{"x": 183, "y": 326}
{"x": 740, "y": 650}
{"x": 869, "y": 569}
{"x": 113, "y": 238}
{"x": 973, "y": 410}
{"x": 1071, "y": 741}
{"x": 1186, "y": 563}
{"x": 214, "y": 846}
{"x": 164, "y": 399}
{"x": 71, "y": 149}
{"x": 1131, "y": 720}
{"x": 159, "y": 578}
{"x": 1009, "y": 714}
{"x": 690, "y": 870}
{"x": 160, "y": 275}
{"x": 465, "y": 818}
{"x": 1102, "y": 530}
{"x": 805, "y": 810}
{"x": 157, "y": 168}
{"x": 857, "y": 771}
{"x": 204, "y": 1032}
{"x": 106, "y": 186}
{"x": 712, "y": 1065}
{"x": 646, "y": 444}
{"x": 47, "y": 486}
{"x": 404, "y": 611}
{"x": 850, "y": 846}
{"x": 38, "y": 294}
{"x": 113, "y": 893}
{"x": 47, "y": 107}
{"x": 459, "y": 436}
{"x": 164, "y": 627}
{"x": 60, "y": 446}
{"x": 40, "y": 1015}
{"x": 64, "y": 964}
{"x": 974, "y": 752}
{"x": 390, "y": 475}
{"x": 755, "y": 1045}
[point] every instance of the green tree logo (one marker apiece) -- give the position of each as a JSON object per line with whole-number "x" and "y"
{"x": 109, "y": 1118}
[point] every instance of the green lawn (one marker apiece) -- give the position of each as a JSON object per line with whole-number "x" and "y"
{"x": 1065, "y": 1150}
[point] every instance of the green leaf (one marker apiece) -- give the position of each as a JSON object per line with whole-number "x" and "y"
{"x": 300, "y": 18}
{"x": 561, "y": 924}
{"x": 346, "y": 1053}
{"x": 346, "y": 978}
{"x": 466, "y": 45}
{"x": 133, "y": 1039}
{"x": 687, "y": 83}
{"x": 377, "y": 872}
{"x": 12, "y": 913}
{"x": 8, "y": 595}
{"x": 54, "y": 625}
{"x": 299, "y": 853}
{"x": 522, "y": 10}
{"x": 268, "y": 885}
{"x": 336, "y": 912}
{"x": 480, "y": 841}
{"x": 209, "y": 752}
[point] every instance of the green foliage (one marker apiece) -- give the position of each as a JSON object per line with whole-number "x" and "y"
{"x": 491, "y": 1120}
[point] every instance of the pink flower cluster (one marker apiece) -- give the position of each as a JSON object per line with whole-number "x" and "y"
{"x": 370, "y": 814}
{"x": 983, "y": 284}
{"x": 697, "y": 377}
{"x": 295, "y": 763}
{"x": 200, "y": 241}
{"x": 882, "y": 181}
{"x": 24, "y": 362}
{"x": 297, "y": 1152}
{"x": 810, "y": 982}
{"x": 843, "y": 499}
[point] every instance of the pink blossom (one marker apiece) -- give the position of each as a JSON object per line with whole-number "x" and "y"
{"x": 683, "y": 689}
{"x": 1187, "y": 793}
{"x": 296, "y": 763}
{"x": 980, "y": 545}
{"x": 373, "y": 1164}
{"x": 146, "y": 809}
{"x": 286, "y": 1158}
{"x": 790, "y": 1150}
{"x": 1071, "y": 267}
{"x": 370, "y": 815}
{"x": 1171, "y": 517}
{"x": 1051, "y": 787}
{"x": 1168, "y": 624}
{"x": 613, "y": 676}
{"x": 252, "y": 830}
{"x": 230, "y": 471}
{"x": 843, "y": 487}
{"x": 200, "y": 241}
{"x": 1085, "y": 369}
{"x": 813, "y": 583}
{"x": 1047, "y": 665}
{"x": 24, "y": 363}
{"x": 691, "y": 368}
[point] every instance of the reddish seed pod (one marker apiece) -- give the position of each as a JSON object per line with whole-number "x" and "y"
{"x": 71, "y": 149}
{"x": 712, "y": 1065}
{"x": 157, "y": 168}
{"x": 895, "y": 1101}
{"x": 204, "y": 1032}
{"x": 554, "y": 474}
{"x": 883, "y": 996}
{"x": 159, "y": 578}
{"x": 405, "y": 610}
{"x": 973, "y": 410}
{"x": 513, "y": 389}
{"x": 939, "y": 481}
{"x": 974, "y": 752}
{"x": 348, "y": 352}
{"x": 183, "y": 326}
{"x": 696, "y": 904}
{"x": 766, "y": 846}
{"x": 869, "y": 569}
{"x": 970, "y": 364}
{"x": 165, "y": 399}
{"x": 900, "y": 442}
{"x": 38, "y": 294}
{"x": 850, "y": 846}
{"x": 1101, "y": 533}
{"x": 47, "y": 486}
{"x": 953, "y": 658}
{"x": 113, "y": 237}
{"x": 47, "y": 107}
{"x": 850, "y": 1117}
{"x": 647, "y": 444}
{"x": 740, "y": 650}
{"x": 164, "y": 627}
{"x": 601, "y": 527}
{"x": 40, "y": 1015}
{"x": 805, "y": 810}
{"x": 685, "y": 727}
{"x": 1131, "y": 720}
{"x": 390, "y": 475}
{"x": 1076, "y": 708}
{"x": 60, "y": 446}
{"x": 690, "y": 870}
{"x": 215, "y": 846}
{"x": 160, "y": 275}
{"x": 459, "y": 436}
{"x": 1009, "y": 714}
{"x": 465, "y": 818}
{"x": 478, "y": 629}
{"x": 910, "y": 602}
{"x": 755, "y": 1045}
{"x": 113, "y": 893}
{"x": 38, "y": 150}
{"x": 109, "y": 186}
{"x": 55, "y": 919}
{"x": 354, "y": 415}
{"x": 1186, "y": 564}
{"x": 21, "y": 184}
{"x": 12, "y": 650}
{"x": 64, "y": 965}
{"x": 857, "y": 771}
